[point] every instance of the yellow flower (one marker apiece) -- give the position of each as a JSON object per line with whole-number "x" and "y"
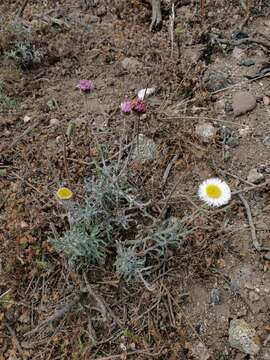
{"x": 64, "y": 193}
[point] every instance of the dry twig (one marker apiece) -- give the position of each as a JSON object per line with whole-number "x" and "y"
{"x": 168, "y": 168}
{"x": 58, "y": 314}
{"x": 103, "y": 307}
{"x": 237, "y": 192}
{"x": 21, "y": 11}
{"x": 255, "y": 241}
{"x": 136, "y": 352}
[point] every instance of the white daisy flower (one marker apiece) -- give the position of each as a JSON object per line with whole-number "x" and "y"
{"x": 214, "y": 192}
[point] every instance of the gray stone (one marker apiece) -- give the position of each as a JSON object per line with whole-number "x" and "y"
{"x": 240, "y": 277}
{"x": 145, "y": 149}
{"x": 217, "y": 78}
{"x": 206, "y": 131}
{"x": 242, "y": 337}
{"x": 254, "y": 176}
{"x": 131, "y": 64}
{"x": 243, "y": 102}
{"x": 233, "y": 141}
{"x": 247, "y": 62}
{"x": 267, "y": 256}
{"x": 266, "y": 141}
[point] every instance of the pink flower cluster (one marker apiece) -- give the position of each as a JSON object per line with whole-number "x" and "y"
{"x": 86, "y": 85}
{"x": 138, "y": 105}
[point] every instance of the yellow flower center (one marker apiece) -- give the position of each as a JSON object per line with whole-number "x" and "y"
{"x": 213, "y": 191}
{"x": 64, "y": 193}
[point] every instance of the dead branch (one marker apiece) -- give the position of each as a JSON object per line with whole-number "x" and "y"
{"x": 169, "y": 167}
{"x": 15, "y": 341}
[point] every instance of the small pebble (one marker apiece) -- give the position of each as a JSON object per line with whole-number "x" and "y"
{"x": 253, "y": 296}
{"x": 206, "y": 131}
{"x": 131, "y": 64}
{"x": 244, "y": 131}
{"x": 233, "y": 141}
{"x": 266, "y": 100}
{"x": 267, "y": 256}
{"x": 238, "y": 53}
{"x": 215, "y": 297}
{"x": 254, "y": 176}
{"x": 26, "y": 119}
{"x": 54, "y": 122}
{"x": 246, "y": 62}
{"x": 266, "y": 141}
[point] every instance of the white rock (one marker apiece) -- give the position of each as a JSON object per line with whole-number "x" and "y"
{"x": 144, "y": 93}
{"x": 206, "y": 131}
{"x": 242, "y": 337}
{"x": 26, "y": 119}
{"x": 254, "y": 176}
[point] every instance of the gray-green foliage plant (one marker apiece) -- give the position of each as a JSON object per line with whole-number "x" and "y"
{"x": 109, "y": 215}
{"x": 99, "y": 220}
{"x": 21, "y": 48}
{"x": 25, "y": 55}
{"x": 128, "y": 261}
{"x": 81, "y": 242}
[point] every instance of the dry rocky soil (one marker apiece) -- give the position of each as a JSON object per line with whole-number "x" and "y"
{"x": 209, "y": 117}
